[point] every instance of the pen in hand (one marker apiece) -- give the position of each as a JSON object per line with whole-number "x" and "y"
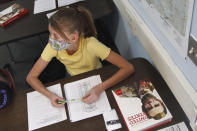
{"x": 66, "y": 101}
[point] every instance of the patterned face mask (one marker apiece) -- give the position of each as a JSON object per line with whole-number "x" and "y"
{"x": 59, "y": 46}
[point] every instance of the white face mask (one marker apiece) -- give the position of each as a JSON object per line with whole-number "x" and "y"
{"x": 59, "y": 46}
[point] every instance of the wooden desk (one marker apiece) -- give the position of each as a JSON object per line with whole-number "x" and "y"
{"x": 15, "y": 118}
{"x": 35, "y": 24}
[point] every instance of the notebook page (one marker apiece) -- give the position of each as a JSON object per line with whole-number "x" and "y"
{"x": 40, "y": 111}
{"x": 79, "y": 110}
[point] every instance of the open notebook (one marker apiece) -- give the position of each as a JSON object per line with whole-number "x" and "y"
{"x": 79, "y": 110}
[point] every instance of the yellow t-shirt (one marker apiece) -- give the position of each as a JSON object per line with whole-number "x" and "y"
{"x": 86, "y": 58}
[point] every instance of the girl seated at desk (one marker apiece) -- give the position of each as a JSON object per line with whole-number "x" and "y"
{"x": 73, "y": 42}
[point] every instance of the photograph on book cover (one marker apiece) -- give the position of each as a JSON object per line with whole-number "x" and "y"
{"x": 10, "y": 12}
{"x": 141, "y": 105}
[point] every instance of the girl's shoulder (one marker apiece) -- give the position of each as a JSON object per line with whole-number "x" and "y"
{"x": 91, "y": 41}
{"x": 92, "y": 44}
{"x": 49, "y": 48}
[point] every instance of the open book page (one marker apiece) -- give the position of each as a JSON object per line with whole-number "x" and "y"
{"x": 66, "y": 2}
{"x": 40, "y": 111}
{"x": 79, "y": 110}
{"x": 44, "y": 5}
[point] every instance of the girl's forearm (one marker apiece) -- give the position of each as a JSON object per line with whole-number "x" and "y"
{"x": 120, "y": 75}
{"x": 36, "y": 84}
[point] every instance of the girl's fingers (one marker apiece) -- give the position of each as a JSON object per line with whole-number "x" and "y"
{"x": 88, "y": 99}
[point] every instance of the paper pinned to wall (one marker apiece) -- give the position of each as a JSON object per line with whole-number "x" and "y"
{"x": 80, "y": 110}
{"x": 67, "y": 2}
{"x": 169, "y": 20}
{"x": 40, "y": 111}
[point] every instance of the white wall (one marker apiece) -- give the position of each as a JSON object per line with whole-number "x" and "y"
{"x": 128, "y": 45}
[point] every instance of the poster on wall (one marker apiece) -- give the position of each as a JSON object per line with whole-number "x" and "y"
{"x": 172, "y": 18}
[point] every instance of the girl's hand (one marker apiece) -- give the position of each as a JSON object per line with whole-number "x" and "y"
{"x": 92, "y": 95}
{"x": 54, "y": 100}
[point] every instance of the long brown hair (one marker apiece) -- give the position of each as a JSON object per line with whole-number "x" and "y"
{"x": 73, "y": 19}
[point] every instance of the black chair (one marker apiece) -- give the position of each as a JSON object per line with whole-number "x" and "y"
{"x": 54, "y": 71}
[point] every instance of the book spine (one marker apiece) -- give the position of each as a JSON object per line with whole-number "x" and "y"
{"x": 15, "y": 17}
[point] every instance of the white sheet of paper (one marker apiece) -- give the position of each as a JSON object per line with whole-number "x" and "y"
{"x": 51, "y": 13}
{"x": 43, "y": 5}
{"x": 67, "y": 2}
{"x": 110, "y": 116}
{"x": 40, "y": 111}
{"x": 79, "y": 110}
{"x": 177, "y": 127}
{"x": 6, "y": 11}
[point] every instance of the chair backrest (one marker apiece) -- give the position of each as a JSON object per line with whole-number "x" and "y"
{"x": 54, "y": 71}
{"x": 5, "y": 74}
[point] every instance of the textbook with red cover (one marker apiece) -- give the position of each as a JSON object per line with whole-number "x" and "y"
{"x": 141, "y": 106}
{"x": 11, "y": 13}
